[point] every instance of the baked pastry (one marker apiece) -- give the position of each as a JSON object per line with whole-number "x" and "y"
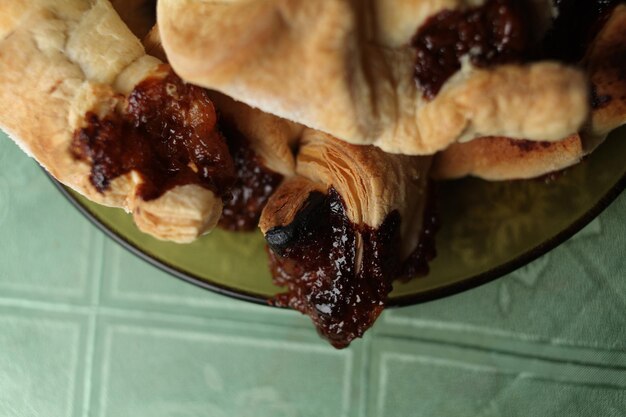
{"x": 121, "y": 128}
{"x": 91, "y": 108}
{"x": 502, "y": 158}
{"x": 606, "y": 63}
{"x": 382, "y": 223}
{"x": 341, "y": 221}
{"x": 349, "y": 68}
{"x": 340, "y": 230}
{"x": 499, "y": 158}
{"x": 261, "y": 146}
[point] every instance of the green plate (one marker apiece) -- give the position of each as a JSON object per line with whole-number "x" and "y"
{"x": 488, "y": 229}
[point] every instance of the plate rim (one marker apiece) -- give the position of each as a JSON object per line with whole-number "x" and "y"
{"x": 402, "y": 301}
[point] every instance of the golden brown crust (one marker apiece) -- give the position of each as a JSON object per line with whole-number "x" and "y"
{"x": 498, "y": 158}
{"x": 189, "y": 210}
{"x": 288, "y": 199}
{"x": 80, "y": 57}
{"x": 152, "y": 44}
{"x": 341, "y": 67}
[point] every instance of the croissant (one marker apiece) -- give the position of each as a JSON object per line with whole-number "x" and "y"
{"x": 260, "y": 144}
{"x": 339, "y": 231}
{"x": 121, "y": 128}
{"x": 501, "y": 158}
{"x": 89, "y": 106}
{"x": 349, "y": 69}
{"x": 342, "y": 220}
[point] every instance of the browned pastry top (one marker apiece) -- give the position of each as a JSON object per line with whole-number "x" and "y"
{"x": 347, "y": 68}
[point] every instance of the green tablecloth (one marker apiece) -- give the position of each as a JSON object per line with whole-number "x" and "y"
{"x": 87, "y": 329}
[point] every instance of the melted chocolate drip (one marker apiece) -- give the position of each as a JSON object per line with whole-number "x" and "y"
{"x": 317, "y": 259}
{"x": 253, "y": 186}
{"x": 167, "y": 134}
{"x": 417, "y": 263}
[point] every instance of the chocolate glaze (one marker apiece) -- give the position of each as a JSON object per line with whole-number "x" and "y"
{"x": 167, "y": 134}
{"x": 494, "y": 33}
{"x": 253, "y": 186}
{"x": 316, "y": 258}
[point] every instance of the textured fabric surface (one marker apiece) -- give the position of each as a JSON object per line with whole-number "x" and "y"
{"x": 87, "y": 329}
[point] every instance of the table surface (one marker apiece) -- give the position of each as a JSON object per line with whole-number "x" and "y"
{"x": 87, "y": 329}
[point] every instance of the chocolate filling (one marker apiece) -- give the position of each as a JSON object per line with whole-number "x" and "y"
{"x": 167, "y": 134}
{"x": 253, "y": 186}
{"x": 417, "y": 263}
{"x": 317, "y": 259}
{"x": 496, "y": 33}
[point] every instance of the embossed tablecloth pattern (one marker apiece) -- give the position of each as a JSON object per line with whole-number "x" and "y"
{"x": 86, "y": 329}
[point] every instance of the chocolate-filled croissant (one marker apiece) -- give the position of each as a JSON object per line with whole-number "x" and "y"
{"x": 352, "y": 68}
{"x": 340, "y": 229}
{"x": 500, "y": 158}
{"x": 260, "y": 144}
{"x": 121, "y": 128}
{"x": 79, "y": 94}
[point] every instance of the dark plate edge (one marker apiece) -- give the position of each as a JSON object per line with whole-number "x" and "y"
{"x": 158, "y": 263}
{"x": 521, "y": 260}
{"x": 469, "y": 283}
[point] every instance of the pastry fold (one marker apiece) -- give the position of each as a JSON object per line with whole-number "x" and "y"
{"x": 61, "y": 61}
{"x": 500, "y": 158}
{"x": 340, "y": 230}
{"x": 347, "y": 68}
